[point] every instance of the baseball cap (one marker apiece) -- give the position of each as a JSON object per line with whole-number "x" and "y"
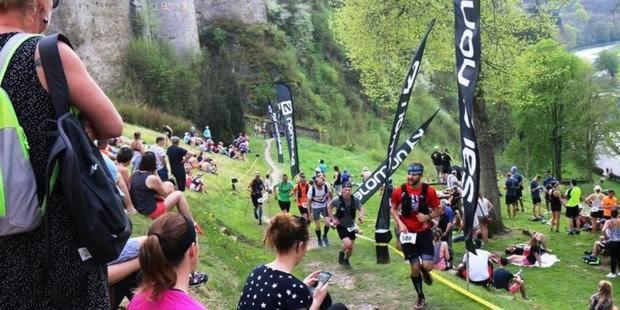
{"x": 257, "y": 173}
{"x": 597, "y": 188}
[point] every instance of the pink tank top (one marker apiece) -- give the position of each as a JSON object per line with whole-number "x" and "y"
{"x": 170, "y": 299}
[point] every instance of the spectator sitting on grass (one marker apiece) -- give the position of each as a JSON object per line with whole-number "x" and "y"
{"x": 477, "y": 267}
{"x": 603, "y": 299}
{"x": 504, "y": 279}
{"x": 531, "y": 254}
{"x": 198, "y": 184}
{"x": 600, "y": 246}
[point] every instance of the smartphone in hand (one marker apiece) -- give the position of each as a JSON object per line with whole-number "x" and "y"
{"x": 323, "y": 277}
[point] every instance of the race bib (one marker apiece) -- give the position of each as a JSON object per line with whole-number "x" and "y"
{"x": 351, "y": 228}
{"x": 595, "y": 209}
{"x": 407, "y": 238}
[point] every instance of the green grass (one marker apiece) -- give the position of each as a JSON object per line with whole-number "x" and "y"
{"x": 229, "y": 256}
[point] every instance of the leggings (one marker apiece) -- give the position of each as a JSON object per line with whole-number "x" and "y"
{"x": 613, "y": 248}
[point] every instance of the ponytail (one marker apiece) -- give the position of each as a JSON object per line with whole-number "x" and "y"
{"x": 157, "y": 274}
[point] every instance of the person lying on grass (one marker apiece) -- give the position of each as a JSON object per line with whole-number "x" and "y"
{"x": 531, "y": 253}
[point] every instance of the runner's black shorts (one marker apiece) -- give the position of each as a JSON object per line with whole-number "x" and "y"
{"x": 536, "y": 200}
{"x": 572, "y": 211}
{"x": 344, "y": 233}
{"x": 422, "y": 249}
{"x": 255, "y": 200}
{"x": 302, "y": 210}
{"x": 284, "y": 205}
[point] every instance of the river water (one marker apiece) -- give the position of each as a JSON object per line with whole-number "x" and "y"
{"x": 605, "y": 159}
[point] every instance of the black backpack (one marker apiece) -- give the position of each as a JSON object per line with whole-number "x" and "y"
{"x": 94, "y": 203}
{"x": 406, "y": 208}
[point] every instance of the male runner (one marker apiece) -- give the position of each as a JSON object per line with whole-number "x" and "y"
{"x": 414, "y": 205}
{"x": 344, "y": 219}
{"x": 300, "y": 192}
{"x": 257, "y": 187}
{"x": 283, "y": 191}
{"x": 319, "y": 196}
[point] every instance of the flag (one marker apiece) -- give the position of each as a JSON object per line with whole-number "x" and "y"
{"x": 273, "y": 116}
{"x": 285, "y": 104}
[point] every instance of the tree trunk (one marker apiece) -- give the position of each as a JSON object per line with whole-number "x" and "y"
{"x": 488, "y": 171}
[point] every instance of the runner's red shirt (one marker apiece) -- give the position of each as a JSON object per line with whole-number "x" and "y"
{"x": 412, "y": 223}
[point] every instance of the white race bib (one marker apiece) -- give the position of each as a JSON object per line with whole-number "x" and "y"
{"x": 351, "y": 229}
{"x": 407, "y": 238}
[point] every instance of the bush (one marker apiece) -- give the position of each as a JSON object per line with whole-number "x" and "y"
{"x": 152, "y": 118}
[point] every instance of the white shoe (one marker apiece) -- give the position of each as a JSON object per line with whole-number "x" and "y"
{"x": 611, "y": 275}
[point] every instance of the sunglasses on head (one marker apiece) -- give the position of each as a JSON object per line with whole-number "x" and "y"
{"x": 55, "y": 4}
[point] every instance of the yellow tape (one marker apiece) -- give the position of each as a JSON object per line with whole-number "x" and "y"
{"x": 446, "y": 282}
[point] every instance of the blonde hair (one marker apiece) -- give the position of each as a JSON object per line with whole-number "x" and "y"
{"x": 604, "y": 291}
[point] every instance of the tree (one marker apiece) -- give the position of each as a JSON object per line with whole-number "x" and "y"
{"x": 608, "y": 61}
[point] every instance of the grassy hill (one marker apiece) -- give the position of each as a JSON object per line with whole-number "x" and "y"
{"x": 231, "y": 246}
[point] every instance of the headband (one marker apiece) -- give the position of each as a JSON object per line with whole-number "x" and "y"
{"x": 177, "y": 250}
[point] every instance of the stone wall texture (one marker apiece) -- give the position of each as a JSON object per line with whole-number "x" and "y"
{"x": 246, "y": 11}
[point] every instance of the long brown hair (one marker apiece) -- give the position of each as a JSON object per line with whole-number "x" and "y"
{"x": 604, "y": 291}
{"x": 163, "y": 238}
{"x": 285, "y": 232}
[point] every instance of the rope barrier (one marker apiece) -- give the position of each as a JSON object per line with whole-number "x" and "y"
{"x": 446, "y": 282}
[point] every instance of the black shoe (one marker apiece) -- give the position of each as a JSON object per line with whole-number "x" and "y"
{"x": 420, "y": 304}
{"x": 426, "y": 276}
{"x": 325, "y": 241}
{"x": 260, "y": 222}
{"x": 577, "y": 232}
{"x": 587, "y": 252}
{"x": 346, "y": 263}
{"x": 197, "y": 279}
{"x": 341, "y": 258}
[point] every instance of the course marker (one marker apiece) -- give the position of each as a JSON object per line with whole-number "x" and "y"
{"x": 446, "y": 282}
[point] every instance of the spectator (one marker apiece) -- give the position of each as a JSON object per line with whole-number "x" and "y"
{"x": 337, "y": 180}
{"x": 446, "y": 162}
{"x": 547, "y": 181}
{"x": 167, "y": 257}
{"x": 198, "y": 184}
{"x": 289, "y": 237}
{"x": 535, "y": 189}
{"x": 482, "y": 218}
{"x": 609, "y": 204}
{"x": 177, "y": 157}
{"x": 36, "y": 273}
{"x": 152, "y": 197}
{"x": 447, "y": 222}
{"x": 160, "y": 158}
{"x": 207, "y": 133}
{"x": 611, "y": 230}
{"x": 452, "y": 179}
{"x": 138, "y": 149}
{"x": 477, "y": 267}
{"x": 436, "y": 158}
{"x": 168, "y": 131}
{"x": 531, "y": 254}
{"x": 603, "y": 299}
{"x": 595, "y": 200}
{"x": 323, "y": 167}
{"x": 365, "y": 174}
{"x": 346, "y": 177}
{"x": 123, "y": 159}
{"x": 504, "y": 279}
{"x": 512, "y": 186}
{"x": 442, "y": 254}
{"x": 592, "y": 257}
{"x": 519, "y": 178}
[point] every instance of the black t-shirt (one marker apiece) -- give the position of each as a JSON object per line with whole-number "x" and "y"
{"x": 257, "y": 187}
{"x": 446, "y": 161}
{"x": 175, "y": 156}
{"x": 501, "y": 278}
{"x": 533, "y": 250}
{"x": 267, "y": 288}
{"x": 436, "y": 158}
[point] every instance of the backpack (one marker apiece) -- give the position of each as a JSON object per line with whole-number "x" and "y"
{"x": 20, "y": 210}
{"x": 406, "y": 209}
{"x": 91, "y": 197}
{"x": 340, "y": 212}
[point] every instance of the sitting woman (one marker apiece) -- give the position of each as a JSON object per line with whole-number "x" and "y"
{"x": 167, "y": 257}
{"x": 531, "y": 254}
{"x": 271, "y": 286}
{"x": 603, "y": 299}
{"x": 198, "y": 184}
{"x": 442, "y": 254}
{"x": 152, "y": 197}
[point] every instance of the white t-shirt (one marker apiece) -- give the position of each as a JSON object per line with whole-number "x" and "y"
{"x": 596, "y": 202}
{"x": 159, "y": 156}
{"x": 452, "y": 180}
{"x": 319, "y": 199}
{"x": 478, "y": 265}
{"x": 481, "y": 210}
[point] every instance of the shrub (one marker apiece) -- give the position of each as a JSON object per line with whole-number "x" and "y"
{"x": 152, "y": 118}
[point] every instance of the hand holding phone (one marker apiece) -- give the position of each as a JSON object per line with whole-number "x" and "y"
{"x": 323, "y": 277}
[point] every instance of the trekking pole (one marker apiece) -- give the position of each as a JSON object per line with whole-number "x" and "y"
{"x": 247, "y": 205}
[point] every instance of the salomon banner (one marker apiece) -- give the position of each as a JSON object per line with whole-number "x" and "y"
{"x": 381, "y": 175}
{"x": 285, "y": 104}
{"x": 467, "y": 45}
{"x": 275, "y": 129}
{"x": 403, "y": 101}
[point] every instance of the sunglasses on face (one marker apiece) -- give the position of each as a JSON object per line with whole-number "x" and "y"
{"x": 55, "y": 4}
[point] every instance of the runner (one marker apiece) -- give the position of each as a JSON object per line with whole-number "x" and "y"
{"x": 596, "y": 212}
{"x": 322, "y": 166}
{"x": 344, "y": 219}
{"x": 519, "y": 178}
{"x": 573, "y": 196}
{"x": 511, "y": 186}
{"x": 535, "y": 191}
{"x": 283, "y": 191}
{"x": 319, "y": 196}
{"x": 300, "y": 192}
{"x": 556, "y": 205}
{"x": 257, "y": 187}
{"x": 414, "y": 205}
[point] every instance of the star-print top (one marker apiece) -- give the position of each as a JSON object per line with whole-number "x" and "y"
{"x": 267, "y": 288}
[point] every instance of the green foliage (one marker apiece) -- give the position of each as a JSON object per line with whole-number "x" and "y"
{"x": 150, "y": 117}
{"x": 608, "y": 61}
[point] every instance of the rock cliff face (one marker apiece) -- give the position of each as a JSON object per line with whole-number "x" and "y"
{"x": 100, "y": 32}
{"x": 246, "y": 11}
